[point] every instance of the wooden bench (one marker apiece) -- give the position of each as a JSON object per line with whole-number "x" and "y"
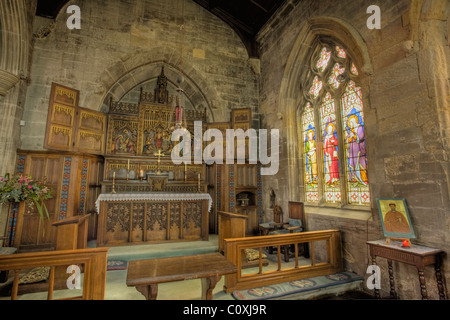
{"x": 145, "y": 275}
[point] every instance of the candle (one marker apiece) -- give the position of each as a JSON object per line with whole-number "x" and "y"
{"x": 114, "y": 175}
{"x": 128, "y": 166}
{"x": 178, "y": 116}
{"x": 141, "y": 173}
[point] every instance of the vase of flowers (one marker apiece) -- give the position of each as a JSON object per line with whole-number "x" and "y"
{"x": 23, "y": 188}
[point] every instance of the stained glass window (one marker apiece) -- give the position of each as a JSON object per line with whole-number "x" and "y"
{"x": 322, "y": 62}
{"x": 310, "y": 149}
{"x": 333, "y": 132}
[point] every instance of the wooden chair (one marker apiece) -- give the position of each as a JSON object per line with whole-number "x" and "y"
{"x": 266, "y": 227}
{"x": 295, "y": 224}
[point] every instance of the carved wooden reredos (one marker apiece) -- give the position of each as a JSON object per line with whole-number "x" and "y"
{"x": 146, "y": 127}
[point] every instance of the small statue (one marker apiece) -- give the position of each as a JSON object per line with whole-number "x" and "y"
{"x": 272, "y": 198}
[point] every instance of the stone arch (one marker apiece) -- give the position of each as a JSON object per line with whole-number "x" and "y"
{"x": 297, "y": 65}
{"x": 136, "y": 69}
{"x": 15, "y": 35}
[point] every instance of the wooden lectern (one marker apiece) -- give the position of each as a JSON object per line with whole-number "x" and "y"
{"x": 231, "y": 225}
{"x": 72, "y": 233}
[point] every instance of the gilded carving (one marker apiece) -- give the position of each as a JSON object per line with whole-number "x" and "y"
{"x": 86, "y": 135}
{"x": 65, "y": 96}
{"x": 124, "y": 108}
{"x": 88, "y": 115}
{"x": 123, "y": 135}
{"x": 61, "y": 130}
{"x": 68, "y": 112}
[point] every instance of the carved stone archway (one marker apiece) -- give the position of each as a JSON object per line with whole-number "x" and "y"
{"x": 136, "y": 69}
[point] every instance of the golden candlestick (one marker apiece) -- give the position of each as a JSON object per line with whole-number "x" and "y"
{"x": 199, "y": 183}
{"x": 128, "y": 169}
{"x": 114, "y": 183}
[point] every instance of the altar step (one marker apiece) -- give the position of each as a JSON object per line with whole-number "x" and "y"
{"x": 161, "y": 250}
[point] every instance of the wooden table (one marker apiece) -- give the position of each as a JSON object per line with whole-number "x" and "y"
{"x": 418, "y": 256}
{"x": 145, "y": 275}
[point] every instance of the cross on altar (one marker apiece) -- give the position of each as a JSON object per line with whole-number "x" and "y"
{"x": 159, "y": 154}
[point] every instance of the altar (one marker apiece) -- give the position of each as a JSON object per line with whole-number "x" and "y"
{"x": 145, "y": 196}
{"x": 133, "y": 218}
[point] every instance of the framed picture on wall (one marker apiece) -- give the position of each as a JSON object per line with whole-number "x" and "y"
{"x": 395, "y": 218}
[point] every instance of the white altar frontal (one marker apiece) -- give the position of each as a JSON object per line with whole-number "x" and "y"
{"x": 133, "y": 218}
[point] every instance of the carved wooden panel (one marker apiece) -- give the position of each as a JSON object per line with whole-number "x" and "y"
{"x": 91, "y": 131}
{"x": 118, "y": 221}
{"x": 65, "y": 95}
{"x": 241, "y": 116}
{"x": 61, "y": 118}
{"x": 157, "y": 217}
{"x": 192, "y": 219}
{"x": 175, "y": 220}
{"x": 137, "y": 224}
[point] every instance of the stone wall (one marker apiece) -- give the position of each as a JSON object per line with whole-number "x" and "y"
{"x": 15, "y": 30}
{"x": 405, "y": 85}
{"x": 122, "y": 44}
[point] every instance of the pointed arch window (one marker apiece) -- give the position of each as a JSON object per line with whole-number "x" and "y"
{"x": 333, "y": 131}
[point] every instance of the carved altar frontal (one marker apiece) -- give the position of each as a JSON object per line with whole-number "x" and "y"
{"x": 152, "y": 217}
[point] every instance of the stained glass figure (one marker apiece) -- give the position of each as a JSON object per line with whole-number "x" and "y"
{"x": 354, "y": 70}
{"x": 333, "y": 79}
{"x": 324, "y": 59}
{"x": 341, "y": 52}
{"x": 355, "y": 145}
{"x": 310, "y": 151}
{"x": 330, "y": 150}
{"x": 316, "y": 87}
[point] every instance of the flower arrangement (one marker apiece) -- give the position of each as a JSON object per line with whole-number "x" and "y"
{"x": 22, "y": 187}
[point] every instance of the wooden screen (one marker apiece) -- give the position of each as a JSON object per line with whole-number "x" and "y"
{"x": 72, "y": 128}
